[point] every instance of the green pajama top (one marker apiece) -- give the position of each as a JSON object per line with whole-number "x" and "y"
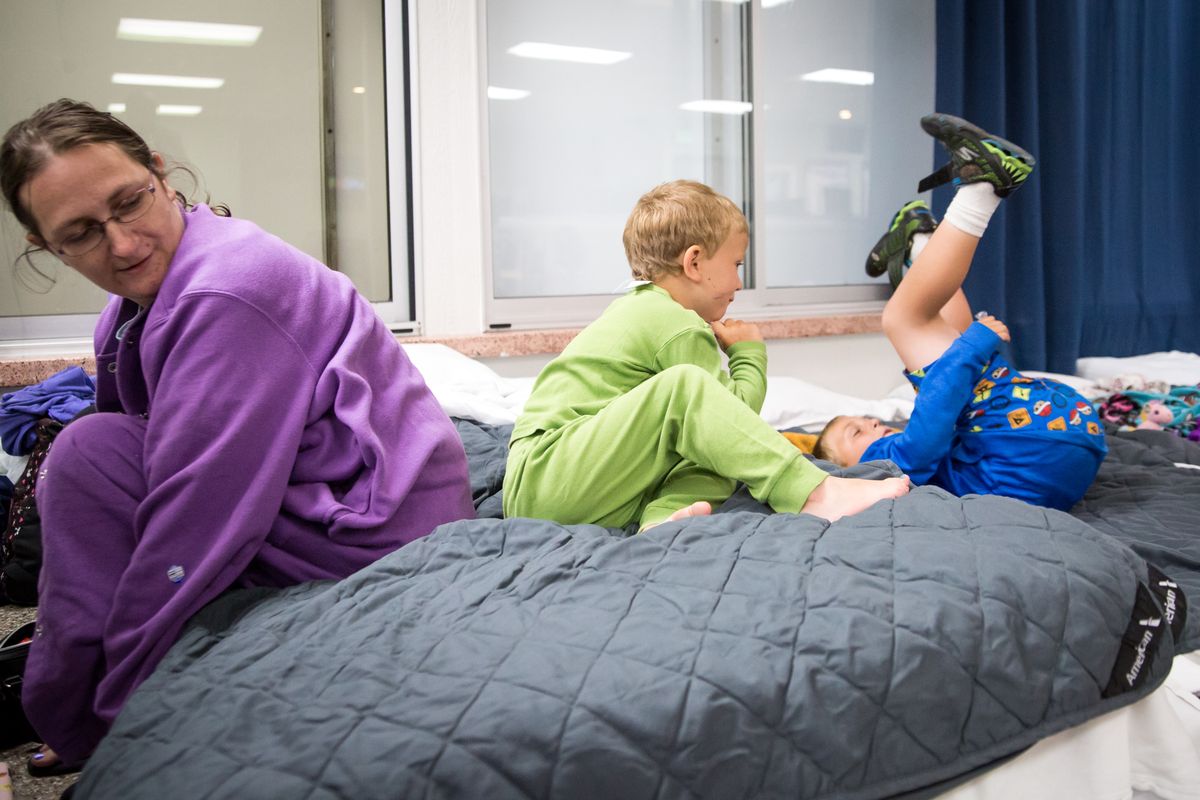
{"x": 637, "y": 336}
{"x": 637, "y": 418}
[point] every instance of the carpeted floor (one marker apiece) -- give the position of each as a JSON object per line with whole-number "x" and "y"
{"x": 25, "y": 787}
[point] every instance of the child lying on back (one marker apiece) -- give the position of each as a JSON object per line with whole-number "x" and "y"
{"x": 978, "y": 425}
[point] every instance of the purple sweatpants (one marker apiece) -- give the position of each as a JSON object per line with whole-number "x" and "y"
{"x": 88, "y": 494}
{"x": 112, "y": 601}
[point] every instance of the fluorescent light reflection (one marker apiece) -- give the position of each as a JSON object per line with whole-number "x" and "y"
{"x": 845, "y": 113}
{"x": 765, "y": 3}
{"x": 116, "y": 108}
{"x": 180, "y": 32}
{"x": 854, "y": 77}
{"x": 173, "y": 81}
{"x": 169, "y": 110}
{"x": 562, "y": 52}
{"x": 500, "y": 93}
{"x": 718, "y": 106}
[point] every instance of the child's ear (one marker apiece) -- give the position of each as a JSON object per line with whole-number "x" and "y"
{"x": 690, "y": 261}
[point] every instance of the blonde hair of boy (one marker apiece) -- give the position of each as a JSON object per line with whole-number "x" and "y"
{"x": 672, "y": 217}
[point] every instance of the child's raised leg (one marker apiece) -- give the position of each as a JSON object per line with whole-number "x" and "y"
{"x": 928, "y": 310}
{"x": 913, "y": 319}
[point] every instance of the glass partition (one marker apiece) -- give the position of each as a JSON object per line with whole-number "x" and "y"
{"x": 248, "y": 97}
{"x": 589, "y": 106}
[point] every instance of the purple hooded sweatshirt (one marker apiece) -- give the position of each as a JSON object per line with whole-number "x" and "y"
{"x": 268, "y": 430}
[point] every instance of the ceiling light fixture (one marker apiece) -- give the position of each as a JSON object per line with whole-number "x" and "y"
{"x": 173, "y": 81}
{"x": 854, "y": 77}
{"x": 181, "y": 32}
{"x": 562, "y": 52}
{"x": 171, "y": 110}
{"x": 718, "y": 106}
{"x": 500, "y": 93}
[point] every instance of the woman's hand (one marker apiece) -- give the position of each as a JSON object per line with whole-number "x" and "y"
{"x": 731, "y": 331}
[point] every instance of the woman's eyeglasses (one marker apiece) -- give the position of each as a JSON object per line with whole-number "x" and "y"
{"x": 88, "y": 238}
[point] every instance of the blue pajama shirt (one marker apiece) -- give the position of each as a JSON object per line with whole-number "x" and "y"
{"x": 981, "y": 427}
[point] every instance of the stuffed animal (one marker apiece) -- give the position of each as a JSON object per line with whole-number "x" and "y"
{"x": 1155, "y": 416}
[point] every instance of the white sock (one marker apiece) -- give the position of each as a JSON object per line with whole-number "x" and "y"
{"x": 919, "y": 240}
{"x": 972, "y": 207}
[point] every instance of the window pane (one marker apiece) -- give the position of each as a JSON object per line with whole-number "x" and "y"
{"x": 272, "y": 85}
{"x": 575, "y": 137}
{"x": 360, "y": 138}
{"x": 256, "y": 139}
{"x": 839, "y": 157}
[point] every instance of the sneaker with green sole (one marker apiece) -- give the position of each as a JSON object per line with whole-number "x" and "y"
{"x": 975, "y": 155}
{"x": 891, "y": 253}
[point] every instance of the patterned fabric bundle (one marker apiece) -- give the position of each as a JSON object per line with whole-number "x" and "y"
{"x": 1176, "y": 409}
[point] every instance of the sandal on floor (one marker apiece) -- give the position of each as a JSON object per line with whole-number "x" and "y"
{"x": 44, "y": 763}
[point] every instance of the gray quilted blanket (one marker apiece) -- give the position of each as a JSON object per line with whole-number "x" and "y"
{"x": 1142, "y": 498}
{"x": 741, "y": 655}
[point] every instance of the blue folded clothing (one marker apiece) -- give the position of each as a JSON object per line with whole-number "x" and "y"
{"x": 61, "y": 397}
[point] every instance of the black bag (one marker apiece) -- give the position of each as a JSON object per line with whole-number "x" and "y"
{"x": 14, "y": 652}
{"x": 21, "y": 542}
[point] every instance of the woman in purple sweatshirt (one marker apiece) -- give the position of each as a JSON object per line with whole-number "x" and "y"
{"x": 257, "y": 425}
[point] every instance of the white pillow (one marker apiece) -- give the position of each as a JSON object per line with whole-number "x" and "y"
{"x": 1175, "y": 368}
{"x": 445, "y": 370}
{"x": 794, "y": 403}
{"x": 468, "y": 388}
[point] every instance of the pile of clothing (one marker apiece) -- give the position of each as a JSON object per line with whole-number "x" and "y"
{"x": 1135, "y": 403}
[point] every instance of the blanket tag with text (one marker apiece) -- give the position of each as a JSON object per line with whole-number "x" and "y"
{"x": 1171, "y": 598}
{"x": 1139, "y": 645}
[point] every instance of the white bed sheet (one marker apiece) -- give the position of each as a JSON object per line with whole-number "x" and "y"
{"x": 1149, "y": 751}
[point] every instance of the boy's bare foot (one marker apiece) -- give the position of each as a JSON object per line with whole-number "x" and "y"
{"x": 700, "y": 508}
{"x": 835, "y": 497}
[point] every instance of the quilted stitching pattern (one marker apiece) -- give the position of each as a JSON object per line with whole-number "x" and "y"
{"x": 1142, "y": 499}
{"x": 739, "y": 655}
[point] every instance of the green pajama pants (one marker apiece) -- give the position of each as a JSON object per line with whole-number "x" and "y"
{"x": 679, "y": 437}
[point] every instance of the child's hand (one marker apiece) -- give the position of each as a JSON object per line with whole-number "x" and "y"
{"x": 994, "y": 325}
{"x": 731, "y": 331}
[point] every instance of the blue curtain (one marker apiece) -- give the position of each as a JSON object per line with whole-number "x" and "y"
{"x": 1099, "y": 254}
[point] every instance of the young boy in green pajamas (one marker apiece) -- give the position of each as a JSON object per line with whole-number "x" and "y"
{"x": 637, "y": 421}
